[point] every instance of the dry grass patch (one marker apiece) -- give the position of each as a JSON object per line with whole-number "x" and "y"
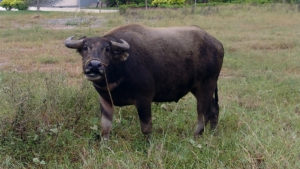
{"x": 271, "y": 45}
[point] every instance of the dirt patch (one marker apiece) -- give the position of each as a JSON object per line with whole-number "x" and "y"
{"x": 71, "y": 23}
{"x": 273, "y": 46}
{"x": 3, "y": 64}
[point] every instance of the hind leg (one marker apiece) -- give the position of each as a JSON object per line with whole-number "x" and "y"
{"x": 201, "y": 119}
{"x": 212, "y": 115}
{"x": 203, "y": 93}
{"x": 144, "y": 111}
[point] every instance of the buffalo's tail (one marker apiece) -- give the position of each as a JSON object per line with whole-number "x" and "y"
{"x": 214, "y": 111}
{"x": 216, "y": 96}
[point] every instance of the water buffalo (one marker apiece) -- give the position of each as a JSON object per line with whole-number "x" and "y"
{"x": 138, "y": 65}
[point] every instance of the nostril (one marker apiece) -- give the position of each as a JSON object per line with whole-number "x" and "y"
{"x": 87, "y": 70}
{"x": 101, "y": 71}
{"x": 95, "y": 64}
{"x": 94, "y": 67}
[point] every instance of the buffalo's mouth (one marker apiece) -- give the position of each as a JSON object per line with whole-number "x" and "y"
{"x": 94, "y": 70}
{"x": 92, "y": 74}
{"x": 93, "y": 77}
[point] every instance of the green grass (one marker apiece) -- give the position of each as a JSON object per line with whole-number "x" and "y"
{"x": 48, "y": 60}
{"x": 49, "y": 113}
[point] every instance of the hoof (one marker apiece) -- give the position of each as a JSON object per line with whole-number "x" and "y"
{"x": 105, "y": 137}
{"x": 147, "y": 137}
{"x": 199, "y": 130}
{"x": 198, "y": 133}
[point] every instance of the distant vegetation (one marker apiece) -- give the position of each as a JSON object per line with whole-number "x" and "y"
{"x": 49, "y": 113}
{"x": 124, "y": 4}
{"x": 171, "y": 3}
{"x": 17, "y": 4}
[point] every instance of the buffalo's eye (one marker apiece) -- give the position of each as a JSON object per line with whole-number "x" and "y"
{"x": 107, "y": 49}
{"x": 85, "y": 48}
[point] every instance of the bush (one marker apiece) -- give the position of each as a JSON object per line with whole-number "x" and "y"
{"x": 111, "y": 3}
{"x": 159, "y": 2}
{"x": 6, "y": 4}
{"x": 168, "y": 2}
{"x": 176, "y": 2}
{"x": 18, "y": 4}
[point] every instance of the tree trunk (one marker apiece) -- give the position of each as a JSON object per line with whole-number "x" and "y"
{"x": 38, "y": 5}
{"x": 194, "y": 6}
{"x": 146, "y": 4}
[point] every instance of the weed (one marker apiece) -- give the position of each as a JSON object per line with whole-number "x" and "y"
{"x": 47, "y": 60}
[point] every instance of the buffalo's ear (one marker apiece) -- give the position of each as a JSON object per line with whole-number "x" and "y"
{"x": 120, "y": 50}
{"x": 120, "y": 55}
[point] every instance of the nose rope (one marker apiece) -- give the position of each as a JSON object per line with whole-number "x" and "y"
{"x": 105, "y": 76}
{"x": 111, "y": 99}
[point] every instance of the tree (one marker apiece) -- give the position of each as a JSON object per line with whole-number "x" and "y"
{"x": 18, "y": 4}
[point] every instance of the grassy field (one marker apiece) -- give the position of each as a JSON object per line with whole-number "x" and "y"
{"x": 49, "y": 113}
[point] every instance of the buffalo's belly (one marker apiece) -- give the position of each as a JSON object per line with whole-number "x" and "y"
{"x": 124, "y": 99}
{"x": 170, "y": 95}
{"x": 124, "y": 102}
{"x": 119, "y": 97}
{"x": 173, "y": 87}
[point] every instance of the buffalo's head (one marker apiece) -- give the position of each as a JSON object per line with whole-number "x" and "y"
{"x": 98, "y": 53}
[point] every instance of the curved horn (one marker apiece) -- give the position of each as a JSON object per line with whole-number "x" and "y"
{"x": 75, "y": 44}
{"x": 124, "y": 45}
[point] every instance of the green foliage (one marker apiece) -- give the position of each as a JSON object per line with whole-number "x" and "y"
{"x": 168, "y": 2}
{"x": 18, "y": 4}
{"x": 111, "y": 3}
{"x": 244, "y": 1}
{"x": 122, "y": 9}
{"x": 176, "y": 2}
{"x": 6, "y": 4}
{"x": 180, "y": 3}
{"x": 159, "y": 2}
{"x": 251, "y": 1}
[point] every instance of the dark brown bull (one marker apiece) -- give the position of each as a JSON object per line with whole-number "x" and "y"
{"x": 144, "y": 65}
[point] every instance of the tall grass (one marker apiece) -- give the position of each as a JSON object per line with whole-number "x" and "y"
{"x": 49, "y": 114}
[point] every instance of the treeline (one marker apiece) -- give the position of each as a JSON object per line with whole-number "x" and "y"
{"x": 154, "y": 3}
{"x": 23, "y": 4}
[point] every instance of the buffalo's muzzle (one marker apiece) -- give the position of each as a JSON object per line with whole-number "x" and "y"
{"x": 94, "y": 70}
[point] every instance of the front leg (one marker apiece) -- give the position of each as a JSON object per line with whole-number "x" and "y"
{"x": 144, "y": 111}
{"x": 106, "y": 118}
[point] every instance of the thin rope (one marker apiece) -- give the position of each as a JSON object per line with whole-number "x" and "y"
{"x": 106, "y": 81}
{"x": 102, "y": 63}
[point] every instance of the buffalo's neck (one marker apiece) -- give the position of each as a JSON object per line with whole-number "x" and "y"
{"x": 118, "y": 93}
{"x": 107, "y": 86}
{"x": 112, "y": 77}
